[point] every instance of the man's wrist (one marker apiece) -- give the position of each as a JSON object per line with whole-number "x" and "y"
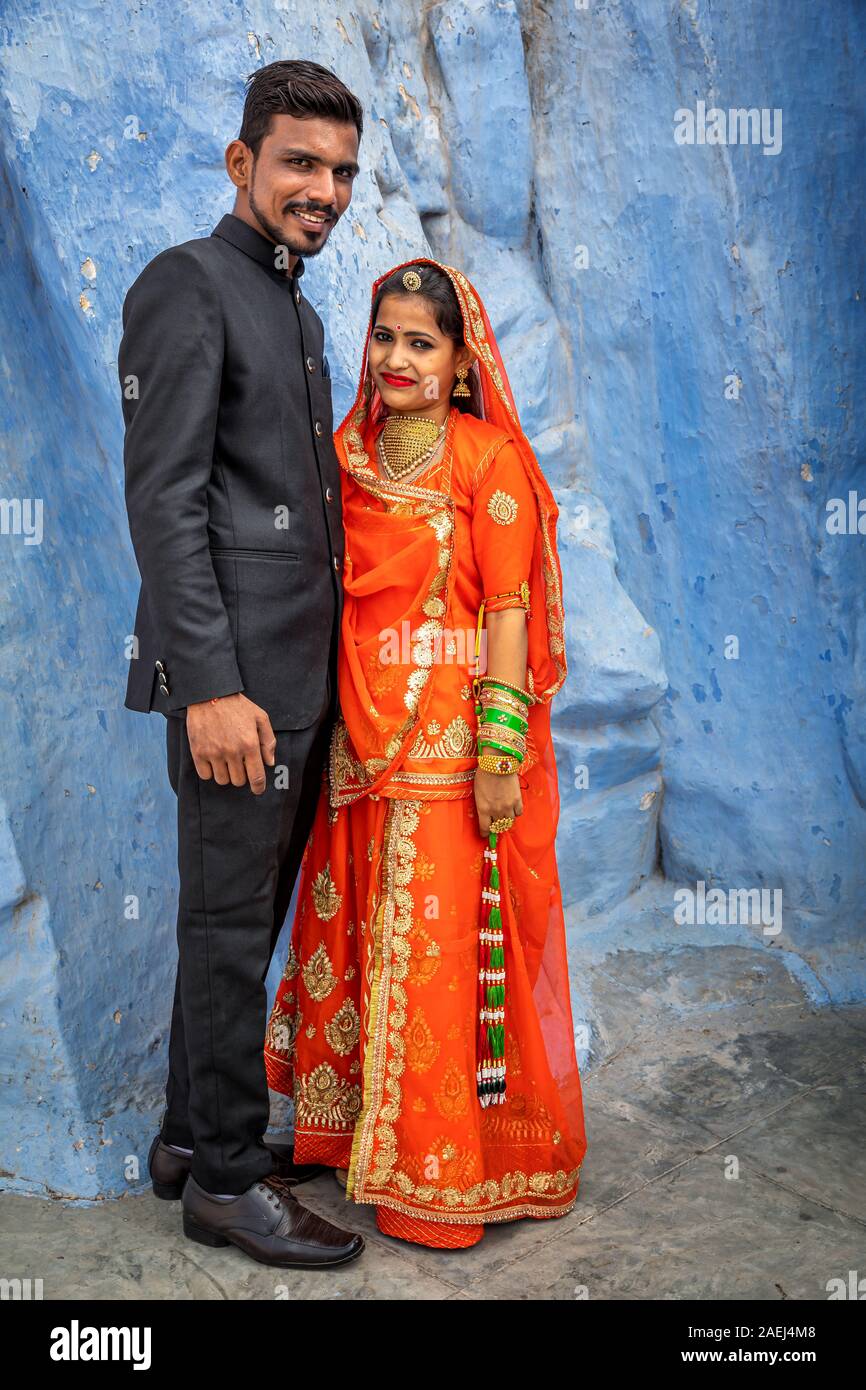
{"x": 213, "y": 699}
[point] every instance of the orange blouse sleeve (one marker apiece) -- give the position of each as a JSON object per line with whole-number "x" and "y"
{"x": 504, "y": 524}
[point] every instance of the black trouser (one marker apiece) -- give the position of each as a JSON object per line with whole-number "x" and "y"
{"x": 238, "y": 859}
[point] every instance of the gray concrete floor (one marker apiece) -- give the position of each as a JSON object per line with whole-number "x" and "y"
{"x": 718, "y": 1068}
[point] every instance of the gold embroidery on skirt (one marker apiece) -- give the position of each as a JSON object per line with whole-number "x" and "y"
{"x": 318, "y": 974}
{"x": 344, "y": 1029}
{"x": 422, "y": 1049}
{"x": 325, "y": 896}
{"x": 282, "y": 1031}
{"x": 325, "y": 1100}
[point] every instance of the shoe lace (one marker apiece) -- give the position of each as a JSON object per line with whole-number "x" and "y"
{"x": 278, "y": 1185}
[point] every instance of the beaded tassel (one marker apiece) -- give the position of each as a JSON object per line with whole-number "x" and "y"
{"x": 490, "y": 1073}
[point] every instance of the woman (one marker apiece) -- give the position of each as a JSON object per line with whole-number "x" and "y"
{"x": 423, "y": 1023}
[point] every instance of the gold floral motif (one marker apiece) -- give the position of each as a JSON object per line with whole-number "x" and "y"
{"x": 326, "y": 899}
{"x": 452, "y": 1096}
{"x": 345, "y": 769}
{"x": 282, "y": 1032}
{"x": 344, "y": 1029}
{"x": 318, "y": 974}
{"x": 513, "y": 1059}
{"x": 422, "y": 1049}
{"x": 424, "y": 868}
{"x": 454, "y": 1168}
{"x": 291, "y": 967}
{"x": 325, "y": 1100}
{"x": 502, "y": 507}
{"x": 382, "y": 676}
{"x": 458, "y": 741}
{"x": 425, "y": 958}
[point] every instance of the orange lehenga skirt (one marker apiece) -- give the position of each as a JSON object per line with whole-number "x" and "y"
{"x": 373, "y": 1029}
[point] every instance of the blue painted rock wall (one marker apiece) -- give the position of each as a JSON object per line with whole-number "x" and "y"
{"x": 682, "y": 324}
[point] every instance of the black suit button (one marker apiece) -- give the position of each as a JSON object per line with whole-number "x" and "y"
{"x": 336, "y": 562}
{"x": 329, "y": 496}
{"x": 160, "y": 668}
{"x": 164, "y": 688}
{"x": 311, "y": 364}
{"x": 318, "y": 427}
{"x": 297, "y": 296}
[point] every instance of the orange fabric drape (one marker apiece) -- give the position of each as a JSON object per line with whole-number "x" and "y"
{"x": 373, "y": 1027}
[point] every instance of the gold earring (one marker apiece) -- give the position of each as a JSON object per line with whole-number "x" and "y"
{"x": 461, "y": 389}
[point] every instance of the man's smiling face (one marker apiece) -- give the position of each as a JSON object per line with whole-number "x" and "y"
{"x": 301, "y": 182}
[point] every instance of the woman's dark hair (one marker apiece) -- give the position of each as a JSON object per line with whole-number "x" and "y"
{"x": 295, "y": 87}
{"x": 438, "y": 290}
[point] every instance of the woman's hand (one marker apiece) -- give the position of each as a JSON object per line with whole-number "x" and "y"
{"x": 496, "y": 796}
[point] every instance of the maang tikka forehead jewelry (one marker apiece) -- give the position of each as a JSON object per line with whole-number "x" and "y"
{"x": 411, "y": 281}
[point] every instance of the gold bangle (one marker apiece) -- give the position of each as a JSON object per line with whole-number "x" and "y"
{"x": 518, "y": 690}
{"x": 501, "y": 764}
{"x": 500, "y": 733}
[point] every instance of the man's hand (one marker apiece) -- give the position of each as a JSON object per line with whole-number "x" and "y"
{"x": 496, "y": 796}
{"x": 230, "y": 741}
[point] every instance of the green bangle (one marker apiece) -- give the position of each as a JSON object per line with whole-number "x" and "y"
{"x": 492, "y": 715}
{"x": 501, "y": 748}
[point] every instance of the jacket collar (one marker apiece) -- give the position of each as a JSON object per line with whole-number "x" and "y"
{"x": 252, "y": 243}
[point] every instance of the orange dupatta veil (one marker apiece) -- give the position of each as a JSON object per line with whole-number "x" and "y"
{"x": 399, "y": 566}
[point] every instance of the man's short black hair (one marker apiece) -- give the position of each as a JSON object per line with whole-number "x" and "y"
{"x": 295, "y": 87}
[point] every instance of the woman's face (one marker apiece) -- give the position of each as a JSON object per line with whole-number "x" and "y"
{"x": 410, "y": 359}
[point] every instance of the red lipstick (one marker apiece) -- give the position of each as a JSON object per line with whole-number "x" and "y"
{"x": 397, "y": 380}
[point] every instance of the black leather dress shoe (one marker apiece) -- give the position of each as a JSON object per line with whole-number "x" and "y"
{"x": 269, "y": 1224}
{"x": 169, "y": 1170}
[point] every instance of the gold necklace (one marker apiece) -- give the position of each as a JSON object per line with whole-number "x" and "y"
{"x": 406, "y": 442}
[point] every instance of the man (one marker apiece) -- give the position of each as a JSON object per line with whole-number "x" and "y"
{"x": 233, "y": 498}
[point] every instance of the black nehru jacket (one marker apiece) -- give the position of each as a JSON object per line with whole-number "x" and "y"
{"x": 232, "y": 480}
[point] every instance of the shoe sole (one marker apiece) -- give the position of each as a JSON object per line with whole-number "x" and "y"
{"x": 193, "y": 1231}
